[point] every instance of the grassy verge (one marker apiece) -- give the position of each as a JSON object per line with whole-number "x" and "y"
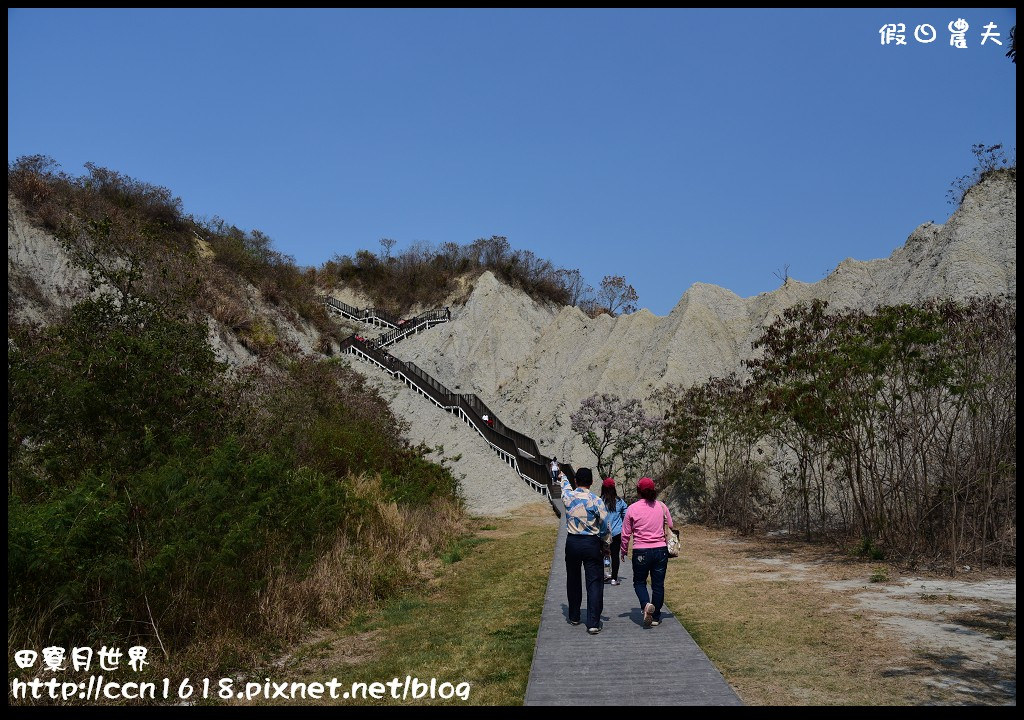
{"x": 475, "y": 622}
{"x": 780, "y": 642}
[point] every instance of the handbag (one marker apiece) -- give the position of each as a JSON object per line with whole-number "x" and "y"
{"x": 671, "y": 535}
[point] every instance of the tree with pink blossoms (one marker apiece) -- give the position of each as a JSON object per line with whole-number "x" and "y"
{"x": 625, "y": 440}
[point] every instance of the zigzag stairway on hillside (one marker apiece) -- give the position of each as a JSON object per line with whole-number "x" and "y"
{"x": 520, "y": 451}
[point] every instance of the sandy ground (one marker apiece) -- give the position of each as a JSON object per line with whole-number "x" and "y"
{"x": 958, "y": 636}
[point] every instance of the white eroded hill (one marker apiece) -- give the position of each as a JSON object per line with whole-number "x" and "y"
{"x": 534, "y": 364}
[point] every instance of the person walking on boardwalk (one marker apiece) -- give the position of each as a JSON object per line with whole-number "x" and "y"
{"x": 616, "y": 508}
{"x": 587, "y": 540}
{"x": 645, "y": 523}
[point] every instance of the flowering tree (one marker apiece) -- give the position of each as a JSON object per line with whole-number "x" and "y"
{"x": 622, "y": 436}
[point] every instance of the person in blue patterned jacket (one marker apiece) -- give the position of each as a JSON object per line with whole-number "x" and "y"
{"x": 586, "y": 543}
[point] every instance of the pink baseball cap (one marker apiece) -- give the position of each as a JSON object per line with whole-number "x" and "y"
{"x": 645, "y": 484}
{"x": 608, "y": 482}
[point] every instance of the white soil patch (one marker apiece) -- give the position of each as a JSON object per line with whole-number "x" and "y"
{"x": 974, "y": 621}
{"x": 489, "y": 486}
{"x": 961, "y": 633}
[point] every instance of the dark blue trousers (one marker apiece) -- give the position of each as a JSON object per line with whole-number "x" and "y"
{"x": 652, "y": 561}
{"x": 584, "y": 551}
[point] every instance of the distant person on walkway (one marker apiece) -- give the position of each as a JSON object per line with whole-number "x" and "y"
{"x": 554, "y": 469}
{"x": 645, "y": 523}
{"x": 447, "y": 313}
{"x": 586, "y": 542}
{"x": 616, "y": 508}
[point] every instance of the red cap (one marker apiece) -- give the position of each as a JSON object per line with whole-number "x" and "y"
{"x": 645, "y": 484}
{"x": 608, "y": 482}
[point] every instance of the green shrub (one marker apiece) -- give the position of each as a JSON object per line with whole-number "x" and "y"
{"x": 147, "y": 488}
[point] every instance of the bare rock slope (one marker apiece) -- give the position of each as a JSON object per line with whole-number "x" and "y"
{"x": 534, "y": 364}
{"x": 41, "y": 276}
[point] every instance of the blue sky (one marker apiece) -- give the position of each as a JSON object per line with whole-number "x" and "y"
{"x": 671, "y": 146}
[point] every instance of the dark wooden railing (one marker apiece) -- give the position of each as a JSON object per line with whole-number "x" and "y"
{"x": 374, "y": 316}
{"x": 406, "y": 328}
{"x": 520, "y": 451}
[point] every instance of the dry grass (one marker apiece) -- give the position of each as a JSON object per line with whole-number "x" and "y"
{"x": 765, "y": 615}
{"x": 475, "y": 621}
{"x": 395, "y": 548}
{"x": 393, "y": 544}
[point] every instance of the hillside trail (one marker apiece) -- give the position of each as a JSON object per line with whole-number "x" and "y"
{"x": 624, "y": 664}
{"x": 520, "y": 452}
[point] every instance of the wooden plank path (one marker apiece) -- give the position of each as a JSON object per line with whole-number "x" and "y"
{"x": 624, "y": 664}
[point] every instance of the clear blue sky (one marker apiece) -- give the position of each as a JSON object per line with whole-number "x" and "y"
{"x": 670, "y": 146}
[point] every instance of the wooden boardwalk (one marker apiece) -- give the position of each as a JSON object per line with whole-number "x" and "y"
{"x": 624, "y": 664}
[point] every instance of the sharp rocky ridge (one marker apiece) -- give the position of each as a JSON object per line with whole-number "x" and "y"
{"x": 534, "y": 364}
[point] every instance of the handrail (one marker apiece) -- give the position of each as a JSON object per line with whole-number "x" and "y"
{"x": 520, "y": 451}
{"x": 408, "y": 327}
{"x": 364, "y": 315}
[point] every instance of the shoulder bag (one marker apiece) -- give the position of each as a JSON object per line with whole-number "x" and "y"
{"x": 671, "y": 535}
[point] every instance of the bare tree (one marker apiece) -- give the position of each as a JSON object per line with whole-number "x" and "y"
{"x": 783, "y": 274}
{"x": 616, "y": 295}
{"x": 387, "y": 244}
{"x": 575, "y": 285}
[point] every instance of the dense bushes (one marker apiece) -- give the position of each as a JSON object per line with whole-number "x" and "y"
{"x": 279, "y": 280}
{"x": 425, "y": 275}
{"x": 896, "y": 427}
{"x": 150, "y": 493}
{"x": 108, "y": 387}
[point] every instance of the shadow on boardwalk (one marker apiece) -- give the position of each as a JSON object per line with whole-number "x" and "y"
{"x": 623, "y": 665}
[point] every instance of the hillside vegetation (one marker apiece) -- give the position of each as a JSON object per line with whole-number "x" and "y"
{"x": 895, "y": 429}
{"x": 133, "y": 238}
{"x": 156, "y": 498}
{"x": 426, "y": 276}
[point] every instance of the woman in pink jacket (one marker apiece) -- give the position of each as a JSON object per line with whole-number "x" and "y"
{"x": 645, "y": 523}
